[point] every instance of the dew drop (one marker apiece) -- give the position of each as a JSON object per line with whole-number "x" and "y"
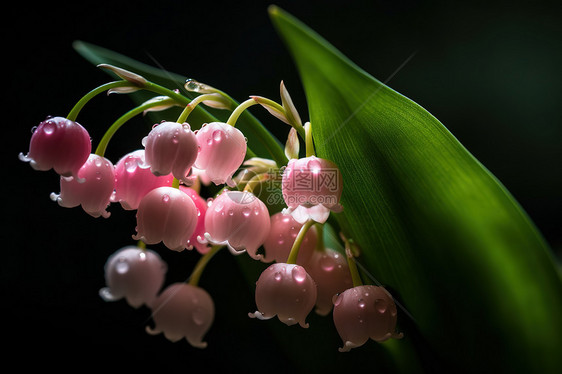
{"x": 246, "y": 212}
{"x": 299, "y": 274}
{"x": 175, "y": 139}
{"x": 49, "y": 128}
{"x": 380, "y": 305}
{"x": 278, "y": 276}
{"x": 230, "y": 212}
{"x": 326, "y": 263}
{"x": 122, "y": 266}
{"x": 33, "y": 129}
{"x": 198, "y": 213}
{"x": 98, "y": 162}
{"x": 98, "y": 176}
{"x": 217, "y": 135}
{"x": 142, "y": 256}
{"x": 210, "y": 141}
{"x": 165, "y": 198}
{"x": 130, "y": 165}
{"x": 361, "y": 303}
{"x": 337, "y": 299}
{"x": 199, "y": 316}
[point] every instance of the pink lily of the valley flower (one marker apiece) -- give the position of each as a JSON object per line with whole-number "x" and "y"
{"x": 311, "y": 188}
{"x": 286, "y": 291}
{"x": 183, "y": 311}
{"x": 92, "y": 188}
{"x": 364, "y": 312}
{"x": 282, "y": 234}
{"x": 330, "y": 271}
{"x": 166, "y": 215}
{"x": 134, "y": 274}
{"x": 171, "y": 147}
{"x": 133, "y": 181}
{"x": 239, "y": 220}
{"x": 201, "y": 205}
{"x": 60, "y": 144}
{"x": 222, "y": 149}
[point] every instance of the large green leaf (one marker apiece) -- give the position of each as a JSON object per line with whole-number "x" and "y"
{"x": 478, "y": 284}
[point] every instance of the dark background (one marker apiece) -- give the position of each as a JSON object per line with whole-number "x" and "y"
{"x": 489, "y": 71}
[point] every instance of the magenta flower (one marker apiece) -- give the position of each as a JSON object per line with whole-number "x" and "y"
{"x": 222, "y": 149}
{"x": 201, "y": 205}
{"x": 285, "y": 290}
{"x": 238, "y": 220}
{"x": 92, "y": 188}
{"x": 330, "y": 271}
{"x": 171, "y": 147}
{"x": 133, "y": 181}
{"x": 183, "y": 311}
{"x": 59, "y": 144}
{"x": 365, "y": 312}
{"x": 312, "y": 187}
{"x": 284, "y": 229}
{"x": 166, "y": 215}
{"x": 134, "y": 274}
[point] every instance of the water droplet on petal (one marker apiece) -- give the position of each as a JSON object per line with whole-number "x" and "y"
{"x": 122, "y": 266}
{"x": 246, "y": 212}
{"x": 299, "y": 274}
{"x": 165, "y": 198}
{"x": 210, "y": 141}
{"x": 337, "y": 299}
{"x": 49, "y": 128}
{"x": 380, "y": 305}
{"x": 361, "y": 303}
{"x": 326, "y": 263}
{"x": 278, "y": 276}
{"x": 217, "y": 135}
{"x": 199, "y": 316}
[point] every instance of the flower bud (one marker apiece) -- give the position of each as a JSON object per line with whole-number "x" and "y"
{"x": 171, "y": 147}
{"x": 285, "y": 290}
{"x": 166, "y": 214}
{"x": 183, "y": 311}
{"x": 59, "y": 144}
{"x": 222, "y": 149}
{"x": 133, "y": 181}
{"x": 239, "y": 220}
{"x": 134, "y": 274}
{"x": 282, "y": 234}
{"x": 364, "y": 312}
{"x": 92, "y": 188}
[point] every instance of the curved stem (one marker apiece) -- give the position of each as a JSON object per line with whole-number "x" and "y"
{"x": 292, "y": 259}
{"x": 198, "y": 100}
{"x": 200, "y": 266}
{"x": 238, "y": 111}
{"x": 356, "y": 278}
{"x": 102, "y": 146}
{"x": 96, "y": 91}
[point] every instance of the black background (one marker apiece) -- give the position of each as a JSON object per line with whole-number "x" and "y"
{"x": 489, "y": 71}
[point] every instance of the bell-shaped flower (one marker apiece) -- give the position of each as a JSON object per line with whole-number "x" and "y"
{"x": 183, "y": 311}
{"x": 134, "y": 274}
{"x": 60, "y": 144}
{"x": 166, "y": 215}
{"x": 282, "y": 234}
{"x": 201, "y": 205}
{"x": 330, "y": 271}
{"x": 314, "y": 185}
{"x": 92, "y": 188}
{"x": 365, "y": 312}
{"x": 171, "y": 147}
{"x": 239, "y": 220}
{"x": 133, "y": 181}
{"x": 286, "y": 291}
{"x": 222, "y": 149}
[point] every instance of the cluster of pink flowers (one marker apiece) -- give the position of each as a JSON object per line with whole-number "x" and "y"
{"x": 161, "y": 183}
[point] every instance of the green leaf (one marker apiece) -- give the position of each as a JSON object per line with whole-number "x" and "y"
{"x": 263, "y": 143}
{"x": 478, "y": 284}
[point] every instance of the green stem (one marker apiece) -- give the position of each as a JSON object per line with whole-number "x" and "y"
{"x": 320, "y": 237}
{"x": 200, "y": 266}
{"x": 102, "y": 146}
{"x": 292, "y": 259}
{"x": 308, "y": 140}
{"x": 96, "y": 91}
{"x": 238, "y": 111}
{"x": 356, "y": 278}
{"x": 189, "y": 107}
